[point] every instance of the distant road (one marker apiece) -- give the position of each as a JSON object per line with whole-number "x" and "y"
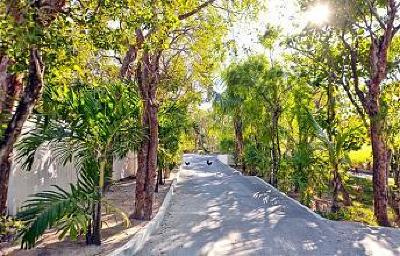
{"x": 361, "y": 174}
{"x": 216, "y": 211}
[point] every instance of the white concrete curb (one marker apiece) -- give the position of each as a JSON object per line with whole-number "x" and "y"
{"x": 230, "y": 168}
{"x": 276, "y": 190}
{"x": 136, "y": 243}
{"x": 288, "y": 197}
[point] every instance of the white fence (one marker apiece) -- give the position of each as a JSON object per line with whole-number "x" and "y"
{"x": 226, "y": 159}
{"x": 46, "y": 173}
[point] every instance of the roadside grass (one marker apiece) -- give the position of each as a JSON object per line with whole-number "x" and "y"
{"x": 361, "y": 156}
{"x": 361, "y": 210}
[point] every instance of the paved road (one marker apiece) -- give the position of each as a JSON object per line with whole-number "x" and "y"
{"x": 216, "y": 211}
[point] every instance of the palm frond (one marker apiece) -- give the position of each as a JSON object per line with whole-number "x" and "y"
{"x": 55, "y": 136}
{"x": 69, "y": 211}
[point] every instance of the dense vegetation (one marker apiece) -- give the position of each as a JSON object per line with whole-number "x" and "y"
{"x": 327, "y": 106}
{"x": 91, "y": 80}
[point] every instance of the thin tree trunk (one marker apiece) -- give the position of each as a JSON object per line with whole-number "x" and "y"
{"x": 337, "y": 184}
{"x": 273, "y": 179}
{"x": 395, "y": 192}
{"x": 379, "y": 171}
{"x": 160, "y": 176}
{"x": 30, "y": 97}
{"x": 89, "y": 230}
{"x": 140, "y": 179}
{"x": 159, "y": 179}
{"x": 239, "y": 144}
{"x": 275, "y": 147}
{"x": 345, "y": 193}
{"x": 396, "y": 167}
{"x": 10, "y": 90}
{"x": 96, "y": 235}
{"x": 335, "y": 193}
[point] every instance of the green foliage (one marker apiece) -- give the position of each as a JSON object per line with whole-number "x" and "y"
{"x": 361, "y": 192}
{"x": 68, "y": 211}
{"x": 87, "y": 115}
{"x": 361, "y": 156}
{"x": 172, "y": 123}
{"x": 255, "y": 158}
{"x": 357, "y": 212}
{"x": 87, "y": 125}
{"x": 227, "y": 145}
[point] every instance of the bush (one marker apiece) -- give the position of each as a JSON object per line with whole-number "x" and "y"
{"x": 227, "y": 146}
{"x": 357, "y": 212}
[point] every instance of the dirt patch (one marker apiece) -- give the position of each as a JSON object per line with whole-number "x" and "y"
{"x": 114, "y": 231}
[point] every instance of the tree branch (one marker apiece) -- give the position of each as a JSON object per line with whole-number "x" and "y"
{"x": 195, "y": 10}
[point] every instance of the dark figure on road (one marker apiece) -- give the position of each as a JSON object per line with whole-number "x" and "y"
{"x": 209, "y": 162}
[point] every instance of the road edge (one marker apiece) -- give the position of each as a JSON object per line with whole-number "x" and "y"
{"x": 136, "y": 243}
{"x": 276, "y": 190}
{"x": 291, "y": 199}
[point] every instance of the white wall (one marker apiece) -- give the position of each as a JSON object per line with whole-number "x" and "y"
{"x": 226, "y": 159}
{"x": 46, "y": 173}
{"x": 125, "y": 167}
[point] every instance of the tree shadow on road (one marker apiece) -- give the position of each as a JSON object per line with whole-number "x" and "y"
{"x": 217, "y": 212}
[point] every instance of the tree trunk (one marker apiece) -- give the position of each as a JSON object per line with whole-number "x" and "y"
{"x": 275, "y": 147}
{"x": 152, "y": 162}
{"x": 142, "y": 154}
{"x": 30, "y": 97}
{"x": 10, "y": 90}
{"x": 96, "y": 235}
{"x": 273, "y": 179}
{"x": 160, "y": 180}
{"x": 239, "y": 144}
{"x": 140, "y": 175}
{"x": 337, "y": 184}
{"x": 335, "y": 193}
{"x": 93, "y": 234}
{"x": 147, "y": 75}
{"x": 5, "y": 167}
{"x": 396, "y": 167}
{"x": 89, "y": 231}
{"x": 147, "y": 168}
{"x": 379, "y": 171}
{"x": 345, "y": 193}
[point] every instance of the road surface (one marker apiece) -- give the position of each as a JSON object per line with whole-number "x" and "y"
{"x": 216, "y": 211}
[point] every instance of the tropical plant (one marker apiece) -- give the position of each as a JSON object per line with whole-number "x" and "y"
{"x": 89, "y": 124}
{"x": 69, "y": 211}
{"x": 172, "y": 123}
